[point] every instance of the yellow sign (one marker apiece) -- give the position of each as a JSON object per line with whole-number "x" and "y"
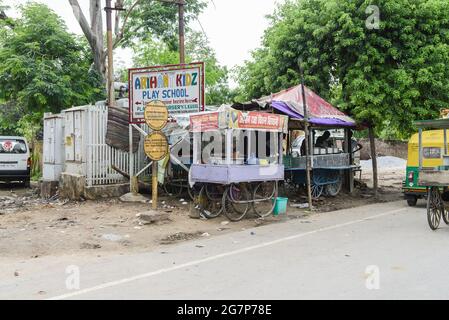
{"x": 156, "y": 146}
{"x": 68, "y": 141}
{"x": 156, "y": 115}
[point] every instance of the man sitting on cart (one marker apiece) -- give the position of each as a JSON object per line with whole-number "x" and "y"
{"x": 323, "y": 141}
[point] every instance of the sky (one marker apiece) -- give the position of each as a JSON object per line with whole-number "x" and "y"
{"x": 233, "y": 27}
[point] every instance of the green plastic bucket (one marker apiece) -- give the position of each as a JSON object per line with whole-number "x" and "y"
{"x": 280, "y": 206}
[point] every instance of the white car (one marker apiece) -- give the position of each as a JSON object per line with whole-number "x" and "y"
{"x": 15, "y": 160}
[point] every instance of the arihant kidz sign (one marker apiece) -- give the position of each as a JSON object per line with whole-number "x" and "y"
{"x": 179, "y": 87}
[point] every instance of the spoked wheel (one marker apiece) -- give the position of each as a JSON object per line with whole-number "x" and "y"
{"x": 173, "y": 187}
{"x": 264, "y": 198}
{"x": 211, "y": 204}
{"x": 333, "y": 189}
{"x": 194, "y": 191}
{"x": 435, "y": 208}
{"x": 214, "y": 193}
{"x": 446, "y": 216}
{"x": 316, "y": 190}
{"x": 236, "y": 201}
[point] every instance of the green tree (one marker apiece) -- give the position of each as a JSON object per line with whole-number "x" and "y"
{"x": 43, "y": 68}
{"x": 158, "y": 19}
{"x": 387, "y": 76}
{"x": 142, "y": 20}
{"x": 158, "y": 52}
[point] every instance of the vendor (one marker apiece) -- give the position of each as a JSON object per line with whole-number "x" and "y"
{"x": 323, "y": 141}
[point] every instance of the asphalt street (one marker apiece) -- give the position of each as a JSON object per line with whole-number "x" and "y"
{"x": 380, "y": 251}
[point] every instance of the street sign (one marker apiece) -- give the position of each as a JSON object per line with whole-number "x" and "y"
{"x": 156, "y": 146}
{"x": 179, "y": 87}
{"x": 156, "y": 115}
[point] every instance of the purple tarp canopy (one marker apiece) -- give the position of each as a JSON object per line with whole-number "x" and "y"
{"x": 289, "y": 102}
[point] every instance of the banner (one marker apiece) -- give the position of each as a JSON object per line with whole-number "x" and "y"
{"x": 235, "y": 119}
{"x": 257, "y": 120}
{"x": 205, "y": 122}
{"x": 179, "y": 87}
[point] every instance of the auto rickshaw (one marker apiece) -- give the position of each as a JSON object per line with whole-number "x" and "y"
{"x": 433, "y": 149}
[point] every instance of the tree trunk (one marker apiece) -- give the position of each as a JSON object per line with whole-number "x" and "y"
{"x": 93, "y": 33}
{"x": 96, "y": 26}
{"x": 373, "y": 158}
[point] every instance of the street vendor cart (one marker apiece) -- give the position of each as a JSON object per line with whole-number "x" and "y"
{"x": 237, "y": 160}
{"x": 328, "y": 165}
{"x": 331, "y": 164}
{"x": 435, "y": 179}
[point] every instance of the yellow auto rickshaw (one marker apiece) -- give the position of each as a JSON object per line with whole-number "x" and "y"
{"x": 433, "y": 150}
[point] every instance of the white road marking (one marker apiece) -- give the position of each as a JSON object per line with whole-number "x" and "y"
{"x": 218, "y": 256}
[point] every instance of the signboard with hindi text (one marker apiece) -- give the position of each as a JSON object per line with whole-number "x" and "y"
{"x": 156, "y": 115}
{"x": 235, "y": 119}
{"x": 179, "y": 87}
{"x": 156, "y": 146}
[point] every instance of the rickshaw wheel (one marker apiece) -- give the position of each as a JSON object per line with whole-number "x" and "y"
{"x": 264, "y": 196}
{"x": 316, "y": 191}
{"x": 194, "y": 191}
{"x": 435, "y": 207}
{"x": 446, "y": 216}
{"x": 236, "y": 201}
{"x": 333, "y": 189}
{"x": 173, "y": 188}
{"x": 211, "y": 205}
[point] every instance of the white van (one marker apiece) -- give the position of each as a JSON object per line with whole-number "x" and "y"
{"x": 15, "y": 160}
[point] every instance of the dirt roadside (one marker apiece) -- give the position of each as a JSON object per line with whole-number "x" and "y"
{"x": 32, "y": 228}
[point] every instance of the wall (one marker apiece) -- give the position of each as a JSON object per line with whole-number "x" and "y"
{"x": 395, "y": 148}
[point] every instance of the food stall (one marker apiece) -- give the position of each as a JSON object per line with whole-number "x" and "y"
{"x": 330, "y": 165}
{"x": 238, "y": 160}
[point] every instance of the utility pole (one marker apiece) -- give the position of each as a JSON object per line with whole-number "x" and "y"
{"x": 181, "y": 4}
{"x": 306, "y": 137}
{"x": 110, "y": 82}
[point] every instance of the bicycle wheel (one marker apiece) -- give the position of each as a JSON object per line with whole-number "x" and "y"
{"x": 264, "y": 198}
{"x": 236, "y": 201}
{"x": 173, "y": 187}
{"x": 214, "y": 194}
{"x": 446, "y": 216}
{"x": 435, "y": 207}
{"x": 333, "y": 189}
{"x": 316, "y": 191}
{"x": 211, "y": 204}
{"x": 194, "y": 191}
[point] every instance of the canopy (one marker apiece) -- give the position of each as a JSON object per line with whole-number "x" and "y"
{"x": 289, "y": 102}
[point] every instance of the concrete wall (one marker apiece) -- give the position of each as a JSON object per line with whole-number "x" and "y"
{"x": 73, "y": 187}
{"x": 395, "y": 148}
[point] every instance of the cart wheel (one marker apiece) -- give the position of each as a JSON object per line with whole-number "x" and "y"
{"x": 317, "y": 191}
{"x": 211, "y": 204}
{"x": 214, "y": 193}
{"x": 435, "y": 207}
{"x": 173, "y": 188}
{"x": 446, "y": 216}
{"x": 194, "y": 191}
{"x": 236, "y": 201}
{"x": 411, "y": 201}
{"x": 333, "y": 189}
{"x": 264, "y": 198}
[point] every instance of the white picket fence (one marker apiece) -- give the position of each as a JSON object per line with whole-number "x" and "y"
{"x": 102, "y": 157}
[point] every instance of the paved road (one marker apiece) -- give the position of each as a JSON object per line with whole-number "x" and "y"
{"x": 339, "y": 255}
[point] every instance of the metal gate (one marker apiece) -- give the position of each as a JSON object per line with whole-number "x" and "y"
{"x": 101, "y": 158}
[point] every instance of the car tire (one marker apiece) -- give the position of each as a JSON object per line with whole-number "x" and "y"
{"x": 412, "y": 201}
